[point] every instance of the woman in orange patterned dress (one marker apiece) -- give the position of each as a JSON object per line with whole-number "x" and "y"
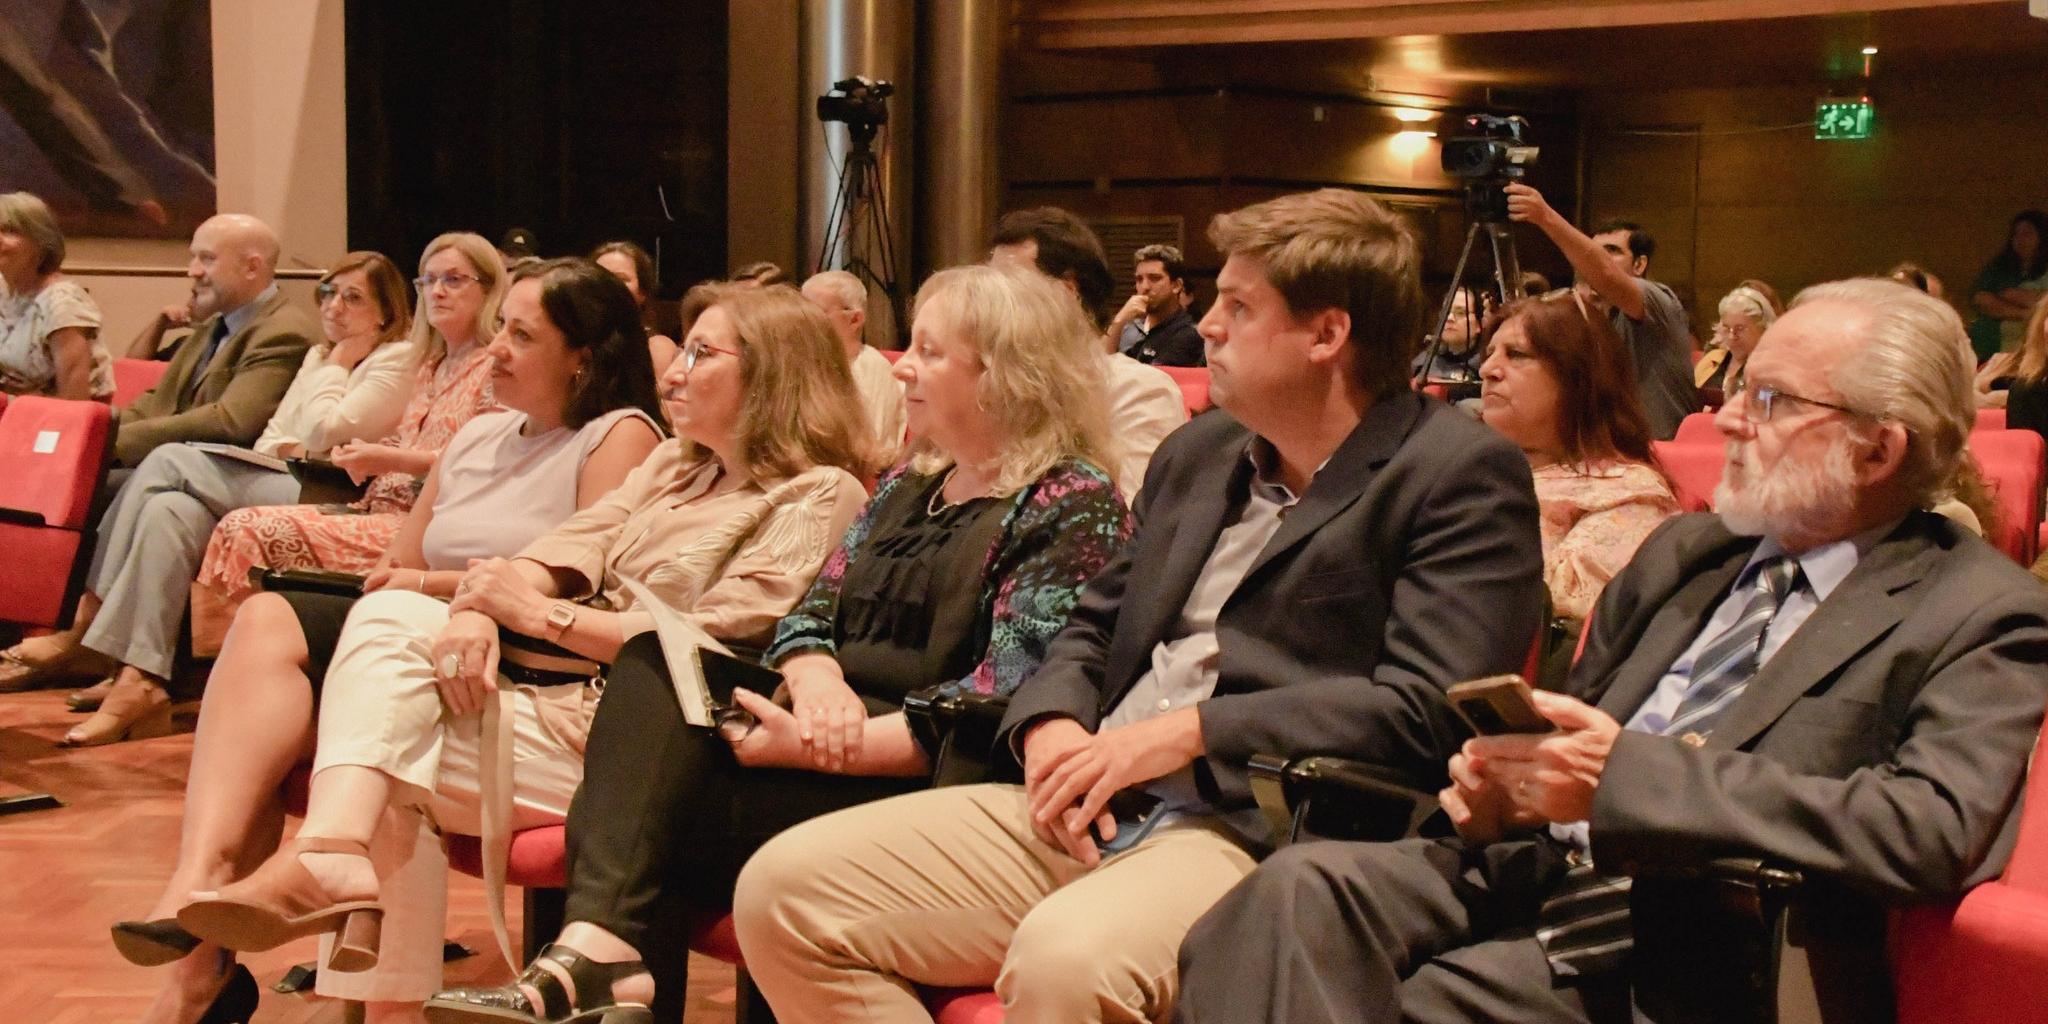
{"x": 461, "y": 281}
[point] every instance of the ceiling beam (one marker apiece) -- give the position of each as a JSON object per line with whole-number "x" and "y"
{"x": 1094, "y": 24}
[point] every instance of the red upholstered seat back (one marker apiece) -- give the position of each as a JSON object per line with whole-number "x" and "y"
{"x": 1697, "y": 428}
{"x": 53, "y": 459}
{"x": 2011, "y": 461}
{"x": 2028, "y": 868}
{"x": 1194, "y": 386}
{"x": 132, "y": 377}
{"x": 1990, "y": 419}
{"x": 1694, "y": 470}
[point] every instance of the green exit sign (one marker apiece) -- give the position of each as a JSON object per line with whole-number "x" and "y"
{"x": 1842, "y": 119}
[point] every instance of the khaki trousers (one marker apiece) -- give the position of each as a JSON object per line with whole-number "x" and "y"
{"x": 840, "y": 915}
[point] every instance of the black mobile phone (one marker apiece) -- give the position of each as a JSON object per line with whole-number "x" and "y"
{"x": 1135, "y": 812}
{"x": 1498, "y": 705}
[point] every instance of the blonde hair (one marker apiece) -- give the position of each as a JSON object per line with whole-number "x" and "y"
{"x": 1744, "y": 299}
{"x": 1914, "y": 368}
{"x": 798, "y": 408}
{"x": 1042, "y": 378}
{"x": 428, "y": 344}
{"x": 2034, "y": 346}
{"x": 25, "y": 214}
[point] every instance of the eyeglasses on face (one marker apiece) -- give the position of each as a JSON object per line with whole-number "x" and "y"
{"x": 694, "y": 348}
{"x": 352, "y": 299}
{"x": 1763, "y": 400}
{"x": 453, "y": 280}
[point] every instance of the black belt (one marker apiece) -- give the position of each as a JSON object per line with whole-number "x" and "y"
{"x": 541, "y": 677}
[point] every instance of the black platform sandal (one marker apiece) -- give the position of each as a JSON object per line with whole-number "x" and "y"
{"x": 591, "y": 1003}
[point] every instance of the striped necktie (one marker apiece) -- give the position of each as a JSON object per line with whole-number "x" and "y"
{"x": 1584, "y": 925}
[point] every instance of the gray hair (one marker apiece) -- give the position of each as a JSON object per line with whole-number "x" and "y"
{"x": 852, "y": 293}
{"x": 1747, "y": 300}
{"x": 28, "y": 216}
{"x": 1913, "y": 367}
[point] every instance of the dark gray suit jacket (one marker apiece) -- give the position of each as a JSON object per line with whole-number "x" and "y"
{"x": 1411, "y": 563}
{"x": 1882, "y": 749}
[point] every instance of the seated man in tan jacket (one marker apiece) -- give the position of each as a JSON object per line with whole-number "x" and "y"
{"x": 228, "y": 378}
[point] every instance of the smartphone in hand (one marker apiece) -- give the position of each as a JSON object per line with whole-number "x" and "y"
{"x": 1136, "y": 813}
{"x": 1498, "y": 705}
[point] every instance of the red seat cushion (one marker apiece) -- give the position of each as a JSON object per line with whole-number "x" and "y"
{"x": 537, "y": 859}
{"x": 964, "y": 1006}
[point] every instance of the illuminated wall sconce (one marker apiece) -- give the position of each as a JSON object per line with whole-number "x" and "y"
{"x": 1414, "y": 115}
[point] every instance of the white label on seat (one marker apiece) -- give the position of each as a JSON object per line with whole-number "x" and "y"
{"x": 46, "y": 441}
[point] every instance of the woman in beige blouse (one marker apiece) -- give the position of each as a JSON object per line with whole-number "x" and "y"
{"x": 1556, "y": 382}
{"x": 723, "y": 527}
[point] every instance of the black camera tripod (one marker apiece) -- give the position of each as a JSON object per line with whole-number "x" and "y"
{"x": 860, "y": 210}
{"x": 1507, "y": 269}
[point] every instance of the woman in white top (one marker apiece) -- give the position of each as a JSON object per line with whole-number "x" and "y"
{"x": 49, "y": 327}
{"x": 580, "y": 421}
{"x": 150, "y": 540}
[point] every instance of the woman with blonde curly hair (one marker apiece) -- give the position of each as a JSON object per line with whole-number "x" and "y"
{"x": 958, "y": 573}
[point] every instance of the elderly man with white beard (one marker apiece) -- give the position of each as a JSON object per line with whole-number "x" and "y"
{"x": 1820, "y": 673}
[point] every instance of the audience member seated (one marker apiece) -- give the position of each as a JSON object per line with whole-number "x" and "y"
{"x": 1909, "y": 273}
{"x": 227, "y": 379}
{"x": 1557, "y": 384}
{"x": 1310, "y": 569}
{"x": 1612, "y": 265}
{"x": 1745, "y": 314}
{"x": 1154, "y": 326}
{"x": 1820, "y": 674}
{"x": 631, "y": 264}
{"x": 845, "y": 302}
{"x": 1770, "y": 294}
{"x": 175, "y": 323}
{"x": 1145, "y": 404}
{"x": 49, "y": 326}
{"x": 1457, "y": 357}
{"x": 957, "y": 573}
{"x": 2026, "y": 404}
{"x": 2007, "y": 288}
{"x": 353, "y": 384}
{"x": 496, "y": 489}
{"x": 460, "y": 284}
{"x": 760, "y": 275}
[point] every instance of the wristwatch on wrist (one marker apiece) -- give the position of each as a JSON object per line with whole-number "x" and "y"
{"x": 561, "y": 615}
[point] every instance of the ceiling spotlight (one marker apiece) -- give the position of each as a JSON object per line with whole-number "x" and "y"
{"x": 1870, "y": 51}
{"x": 1414, "y": 115}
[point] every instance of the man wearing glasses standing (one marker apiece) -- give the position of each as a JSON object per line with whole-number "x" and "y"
{"x": 1820, "y": 674}
{"x": 228, "y": 378}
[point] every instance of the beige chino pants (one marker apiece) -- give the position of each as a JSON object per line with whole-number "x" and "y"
{"x": 950, "y": 887}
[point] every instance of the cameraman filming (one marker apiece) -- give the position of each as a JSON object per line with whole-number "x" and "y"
{"x": 1610, "y": 266}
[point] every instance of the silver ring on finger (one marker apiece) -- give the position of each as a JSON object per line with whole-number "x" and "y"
{"x": 451, "y": 665}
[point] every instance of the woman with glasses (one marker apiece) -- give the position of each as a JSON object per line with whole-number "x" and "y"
{"x": 957, "y": 573}
{"x": 1745, "y": 314}
{"x": 578, "y": 420}
{"x": 351, "y": 385}
{"x": 1557, "y": 383}
{"x": 461, "y": 280}
{"x": 721, "y": 529}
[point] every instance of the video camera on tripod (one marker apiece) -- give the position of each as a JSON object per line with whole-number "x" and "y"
{"x": 859, "y": 103}
{"x": 1488, "y": 152}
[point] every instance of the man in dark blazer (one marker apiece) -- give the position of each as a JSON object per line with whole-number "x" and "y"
{"x": 227, "y": 379}
{"x": 1312, "y": 566}
{"x": 1822, "y": 674}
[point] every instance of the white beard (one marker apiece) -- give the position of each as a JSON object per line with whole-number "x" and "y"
{"x": 1795, "y": 498}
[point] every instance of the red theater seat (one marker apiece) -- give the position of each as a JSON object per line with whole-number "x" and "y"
{"x": 1694, "y": 470}
{"x": 1697, "y": 428}
{"x": 891, "y": 354}
{"x": 53, "y": 460}
{"x": 1983, "y": 960}
{"x": 1991, "y": 419}
{"x": 1194, "y": 386}
{"x": 132, "y": 377}
{"x": 2011, "y": 462}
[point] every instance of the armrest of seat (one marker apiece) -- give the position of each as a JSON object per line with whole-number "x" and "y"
{"x": 1336, "y": 798}
{"x": 957, "y": 731}
{"x": 21, "y": 517}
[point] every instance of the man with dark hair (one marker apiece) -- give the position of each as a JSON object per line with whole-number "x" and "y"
{"x": 1820, "y": 673}
{"x": 1061, "y": 245}
{"x": 1312, "y": 566}
{"x": 1611, "y": 265}
{"x": 1154, "y": 326}
{"x": 1145, "y": 404}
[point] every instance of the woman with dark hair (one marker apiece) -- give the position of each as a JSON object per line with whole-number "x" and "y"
{"x": 1557, "y": 383}
{"x": 2009, "y": 286}
{"x": 631, "y": 264}
{"x": 577, "y": 424}
{"x": 351, "y": 385}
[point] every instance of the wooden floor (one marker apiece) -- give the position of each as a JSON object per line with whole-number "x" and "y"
{"x": 66, "y": 874}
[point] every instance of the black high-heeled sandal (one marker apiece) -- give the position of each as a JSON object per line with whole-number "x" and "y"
{"x": 153, "y": 943}
{"x": 236, "y": 1003}
{"x": 591, "y": 1002}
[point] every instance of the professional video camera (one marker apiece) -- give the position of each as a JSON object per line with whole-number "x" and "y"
{"x": 862, "y": 104}
{"x": 1487, "y": 154}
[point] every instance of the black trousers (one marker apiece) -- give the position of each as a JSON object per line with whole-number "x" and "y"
{"x": 1419, "y": 930}
{"x": 666, "y": 817}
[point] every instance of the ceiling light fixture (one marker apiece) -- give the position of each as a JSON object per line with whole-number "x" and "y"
{"x": 1870, "y": 51}
{"x": 1414, "y": 115}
